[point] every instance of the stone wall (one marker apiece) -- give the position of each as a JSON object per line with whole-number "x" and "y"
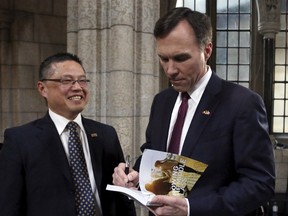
{"x": 30, "y": 30}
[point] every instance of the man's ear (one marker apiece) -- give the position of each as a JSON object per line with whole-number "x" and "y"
{"x": 42, "y": 89}
{"x": 208, "y": 51}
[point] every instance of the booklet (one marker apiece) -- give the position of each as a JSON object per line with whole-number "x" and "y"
{"x": 163, "y": 173}
{"x": 143, "y": 197}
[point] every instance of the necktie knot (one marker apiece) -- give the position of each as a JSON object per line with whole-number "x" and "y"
{"x": 72, "y": 126}
{"x": 185, "y": 96}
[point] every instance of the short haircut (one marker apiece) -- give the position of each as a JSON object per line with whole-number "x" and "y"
{"x": 46, "y": 66}
{"x": 199, "y": 22}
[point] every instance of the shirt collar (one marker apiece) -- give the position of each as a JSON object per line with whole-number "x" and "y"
{"x": 200, "y": 86}
{"x": 61, "y": 122}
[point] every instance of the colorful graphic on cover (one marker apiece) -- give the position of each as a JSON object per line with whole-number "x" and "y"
{"x": 164, "y": 173}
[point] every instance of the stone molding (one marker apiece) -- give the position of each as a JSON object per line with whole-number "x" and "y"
{"x": 269, "y": 12}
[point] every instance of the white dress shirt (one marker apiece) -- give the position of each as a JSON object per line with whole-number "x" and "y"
{"x": 61, "y": 123}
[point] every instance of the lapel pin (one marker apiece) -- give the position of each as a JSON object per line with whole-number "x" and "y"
{"x": 94, "y": 135}
{"x": 206, "y": 112}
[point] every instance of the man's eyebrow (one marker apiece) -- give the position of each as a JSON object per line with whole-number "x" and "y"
{"x": 176, "y": 55}
{"x": 71, "y": 76}
{"x": 181, "y": 55}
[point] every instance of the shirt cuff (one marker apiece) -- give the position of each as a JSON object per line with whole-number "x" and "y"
{"x": 188, "y": 207}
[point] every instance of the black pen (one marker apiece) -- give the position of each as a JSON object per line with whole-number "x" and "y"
{"x": 127, "y": 164}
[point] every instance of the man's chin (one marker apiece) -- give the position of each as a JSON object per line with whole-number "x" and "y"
{"x": 178, "y": 88}
{"x": 77, "y": 109}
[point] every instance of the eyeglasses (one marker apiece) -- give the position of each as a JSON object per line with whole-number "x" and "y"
{"x": 69, "y": 82}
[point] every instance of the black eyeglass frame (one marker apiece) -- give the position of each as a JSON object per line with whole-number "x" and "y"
{"x": 81, "y": 82}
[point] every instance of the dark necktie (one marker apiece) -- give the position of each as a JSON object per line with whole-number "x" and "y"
{"x": 84, "y": 197}
{"x": 177, "y": 130}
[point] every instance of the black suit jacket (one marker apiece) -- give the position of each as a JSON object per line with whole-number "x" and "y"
{"x": 35, "y": 177}
{"x": 229, "y": 132}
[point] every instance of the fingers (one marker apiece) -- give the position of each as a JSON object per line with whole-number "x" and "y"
{"x": 119, "y": 176}
{"x": 133, "y": 176}
{"x": 172, "y": 205}
{"x": 121, "y": 179}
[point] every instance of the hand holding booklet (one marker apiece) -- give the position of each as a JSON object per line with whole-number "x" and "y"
{"x": 163, "y": 173}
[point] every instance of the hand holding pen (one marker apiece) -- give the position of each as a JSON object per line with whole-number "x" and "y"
{"x": 124, "y": 175}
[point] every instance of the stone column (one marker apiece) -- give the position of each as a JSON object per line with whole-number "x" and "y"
{"x": 268, "y": 25}
{"x": 115, "y": 41}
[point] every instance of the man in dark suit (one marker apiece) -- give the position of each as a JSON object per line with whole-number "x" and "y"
{"x": 225, "y": 126}
{"x": 36, "y": 158}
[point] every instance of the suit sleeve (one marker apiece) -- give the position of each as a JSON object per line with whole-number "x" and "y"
{"x": 12, "y": 178}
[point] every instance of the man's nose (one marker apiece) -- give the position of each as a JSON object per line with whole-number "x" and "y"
{"x": 171, "y": 68}
{"x": 76, "y": 84}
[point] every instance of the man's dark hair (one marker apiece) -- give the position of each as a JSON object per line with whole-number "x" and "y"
{"x": 46, "y": 65}
{"x": 200, "y": 23}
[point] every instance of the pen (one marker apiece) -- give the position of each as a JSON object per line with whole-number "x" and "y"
{"x": 127, "y": 164}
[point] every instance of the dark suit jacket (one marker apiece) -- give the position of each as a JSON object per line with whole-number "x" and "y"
{"x": 229, "y": 133}
{"x": 35, "y": 177}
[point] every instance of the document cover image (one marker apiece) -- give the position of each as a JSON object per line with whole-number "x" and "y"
{"x": 164, "y": 173}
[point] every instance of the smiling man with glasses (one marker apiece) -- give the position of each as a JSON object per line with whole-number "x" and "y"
{"x": 57, "y": 164}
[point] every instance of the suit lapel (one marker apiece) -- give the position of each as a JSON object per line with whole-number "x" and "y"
{"x": 96, "y": 149}
{"x": 49, "y": 136}
{"x": 204, "y": 112}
